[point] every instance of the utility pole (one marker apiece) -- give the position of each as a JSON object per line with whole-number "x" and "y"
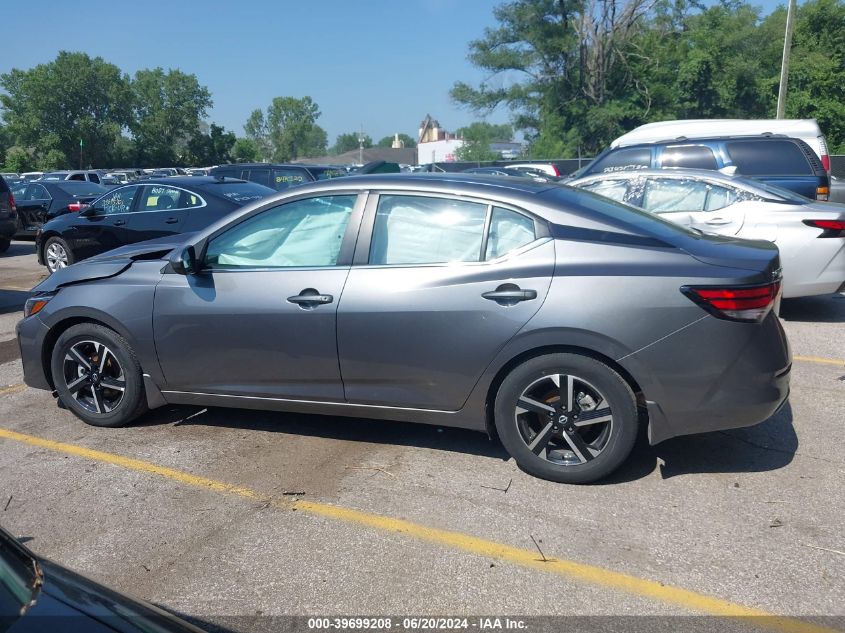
{"x": 80, "y": 152}
{"x": 361, "y": 145}
{"x": 784, "y": 66}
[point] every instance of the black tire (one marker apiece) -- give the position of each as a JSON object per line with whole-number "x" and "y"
{"x": 598, "y": 386}
{"x": 117, "y": 361}
{"x": 60, "y": 243}
{"x": 4, "y": 244}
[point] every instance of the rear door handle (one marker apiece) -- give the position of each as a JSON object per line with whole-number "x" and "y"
{"x": 119, "y": 222}
{"x": 718, "y": 221}
{"x": 510, "y": 294}
{"x": 310, "y": 298}
{"x": 171, "y": 220}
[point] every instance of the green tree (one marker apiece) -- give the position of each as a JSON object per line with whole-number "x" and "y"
{"x": 52, "y": 106}
{"x": 387, "y": 141}
{"x": 51, "y": 160}
{"x": 288, "y": 130}
{"x": 214, "y": 148}
{"x": 245, "y": 150}
{"x": 19, "y": 159}
{"x": 477, "y": 139}
{"x": 349, "y": 141}
{"x": 168, "y": 108}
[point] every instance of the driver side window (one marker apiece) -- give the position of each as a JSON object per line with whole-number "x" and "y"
{"x": 302, "y": 233}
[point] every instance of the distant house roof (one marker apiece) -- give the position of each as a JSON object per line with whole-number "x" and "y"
{"x": 405, "y": 156}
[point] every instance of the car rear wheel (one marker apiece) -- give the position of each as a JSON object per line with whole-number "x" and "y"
{"x": 97, "y": 376}
{"x": 57, "y": 255}
{"x": 4, "y": 245}
{"x": 566, "y": 418}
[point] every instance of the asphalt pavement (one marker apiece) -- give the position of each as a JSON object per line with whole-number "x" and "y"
{"x": 220, "y": 514}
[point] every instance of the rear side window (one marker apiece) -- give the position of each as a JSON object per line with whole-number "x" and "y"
{"x": 284, "y": 178}
{"x": 613, "y": 189}
{"x": 38, "y": 192}
{"x": 94, "y": 177}
{"x": 768, "y": 158}
{"x": 261, "y": 176}
{"x": 664, "y": 195}
{"x": 423, "y": 230}
{"x": 689, "y": 156}
{"x": 623, "y": 160}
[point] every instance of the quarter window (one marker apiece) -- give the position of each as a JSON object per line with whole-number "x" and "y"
{"x": 689, "y": 156}
{"x": 508, "y": 231}
{"x": 427, "y": 230}
{"x": 301, "y": 233}
{"x": 768, "y": 158}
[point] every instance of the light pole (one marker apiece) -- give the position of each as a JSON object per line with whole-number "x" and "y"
{"x": 361, "y": 139}
{"x": 784, "y": 66}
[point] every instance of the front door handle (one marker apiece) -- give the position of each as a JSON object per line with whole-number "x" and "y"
{"x": 510, "y": 294}
{"x": 310, "y": 298}
{"x": 718, "y": 221}
{"x": 171, "y": 220}
{"x": 119, "y": 222}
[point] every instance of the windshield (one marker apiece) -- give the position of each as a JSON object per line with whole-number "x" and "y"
{"x": 77, "y": 189}
{"x": 18, "y": 577}
{"x": 240, "y": 192}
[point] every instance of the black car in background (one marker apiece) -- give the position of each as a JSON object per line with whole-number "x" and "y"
{"x": 8, "y": 216}
{"x": 141, "y": 211}
{"x": 278, "y": 176}
{"x": 779, "y": 160}
{"x": 40, "y": 201}
{"x": 37, "y": 595}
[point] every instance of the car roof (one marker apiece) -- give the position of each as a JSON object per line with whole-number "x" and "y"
{"x": 714, "y": 138}
{"x": 673, "y": 172}
{"x": 700, "y": 128}
{"x": 186, "y": 181}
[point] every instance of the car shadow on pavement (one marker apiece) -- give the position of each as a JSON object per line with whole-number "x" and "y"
{"x": 349, "y": 429}
{"x": 824, "y": 309}
{"x": 12, "y": 300}
{"x": 764, "y": 447}
{"x": 767, "y": 446}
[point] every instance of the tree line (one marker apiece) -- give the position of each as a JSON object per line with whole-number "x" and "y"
{"x": 575, "y": 74}
{"x": 82, "y": 111}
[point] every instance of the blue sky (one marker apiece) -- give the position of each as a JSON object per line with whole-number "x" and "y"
{"x": 382, "y": 64}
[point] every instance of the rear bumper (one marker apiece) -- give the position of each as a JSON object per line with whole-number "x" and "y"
{"x": 31, "y": 336}
{"x": 716, "y": 375}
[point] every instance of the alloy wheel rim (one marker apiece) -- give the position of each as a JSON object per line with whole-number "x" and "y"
{"x": 564, "y": 419}
{"x": 94, "y": 377}
{"x": 56, "y": 257}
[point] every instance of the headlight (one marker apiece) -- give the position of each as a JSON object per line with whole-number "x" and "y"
{"x": 36, "y": 303}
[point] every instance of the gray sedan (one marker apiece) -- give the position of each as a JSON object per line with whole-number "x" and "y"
{"x": 550, "y": 317}
{"x": 809, "y": 234}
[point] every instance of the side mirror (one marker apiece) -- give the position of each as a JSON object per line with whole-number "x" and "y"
{"x": 88, "y": 211}
{"x": 184, "y": 261}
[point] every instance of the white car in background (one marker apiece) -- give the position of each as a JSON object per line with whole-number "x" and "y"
{"x": 809, "y": 234}
{"x": 807, "y": 130}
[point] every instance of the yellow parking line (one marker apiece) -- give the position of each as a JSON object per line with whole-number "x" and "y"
{"x": 456, "y": 540}
{"x": 819, "y": 359}
{"x": 12, "y": 389}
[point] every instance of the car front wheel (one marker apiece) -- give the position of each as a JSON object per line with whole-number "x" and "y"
{"x": 566, "y": 417}
{"x": 97, "y": 376}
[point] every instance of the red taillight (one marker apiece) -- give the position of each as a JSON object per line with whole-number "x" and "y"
{"x": 12, "y": 204}
{"x": 833, "y": 225}
{"x": 736, "y": 303}
{"x": 556, "y": 170}
{"x": 826, "y": 162}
